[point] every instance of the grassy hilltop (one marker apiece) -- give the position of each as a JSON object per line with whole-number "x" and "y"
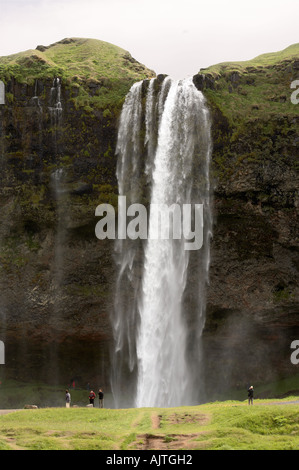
{"x": 263, "y": 60}
{"x": 75, "y": 58}
{"x": 253, "y": 114}
{"x": 257, "y": 88}
{"x": 109, "y": 69}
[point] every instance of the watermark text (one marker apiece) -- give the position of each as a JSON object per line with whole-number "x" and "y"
{"x": 295, "y": 353}
{"x": 2, "y": 92}
{"x": 174, "y": 222}
{"x": 295, "y": 94}
{"x": 2, "y": 353}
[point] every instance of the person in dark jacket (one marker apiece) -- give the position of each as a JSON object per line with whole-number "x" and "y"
{"x": 101, "y": 398}
{"x": 250, "y": 395}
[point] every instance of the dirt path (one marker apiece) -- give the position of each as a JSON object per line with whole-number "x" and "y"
{"x": 5, "y": 412}
{"x": 295, "y": 402}
{"x": 155, "y": 421}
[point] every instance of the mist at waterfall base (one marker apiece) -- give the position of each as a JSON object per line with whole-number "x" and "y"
{"x": 163, "y": 150}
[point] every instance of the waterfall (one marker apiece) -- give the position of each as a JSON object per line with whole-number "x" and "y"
{"x": 55, "y": 110}
{"x": 35, "y": 99}
{"x": 55, "y": 107}
{"x": 158, "y": 318}
{"x": 58, "y": 187}
{"x": 37, "y": 121}
{"x": 127, "y": 251}
{"x": 55, "y": 318}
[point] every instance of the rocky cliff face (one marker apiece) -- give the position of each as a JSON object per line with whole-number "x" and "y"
{"x": 253, "y": 294}
{"x": 57, "y": 280}
{"x": 58, "y": 140}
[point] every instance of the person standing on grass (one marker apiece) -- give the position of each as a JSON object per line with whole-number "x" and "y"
{"x": 67, "y": 399}
{"x": 101, "y": 398}
{"x": 92, "y": 396}
{"x": 250, "y": 395}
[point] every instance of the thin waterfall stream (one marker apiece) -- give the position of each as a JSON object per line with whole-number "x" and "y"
{"x": 164, "y": 148}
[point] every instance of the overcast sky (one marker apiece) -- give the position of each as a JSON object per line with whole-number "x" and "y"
{"x": 176, "y": 37}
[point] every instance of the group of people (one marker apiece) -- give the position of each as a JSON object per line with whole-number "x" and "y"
{"x": 92, "y": 397}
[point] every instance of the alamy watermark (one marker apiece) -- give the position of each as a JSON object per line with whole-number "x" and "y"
{"x": 295, "y": 344}
{"x": 295, "y": 94}
{"x": 2, "y": 93}
{"x": 167, "y": 222}
{"x": 295, "y": 354}
{"x": 2, "y": 353}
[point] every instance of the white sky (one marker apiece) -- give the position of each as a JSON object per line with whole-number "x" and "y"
{"x": 176, "y": 37}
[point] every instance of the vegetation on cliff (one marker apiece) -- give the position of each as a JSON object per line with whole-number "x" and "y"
{"x": 101, "y": 72}
{"x": 255, "y": 118}
{"x": 254, "y": 88}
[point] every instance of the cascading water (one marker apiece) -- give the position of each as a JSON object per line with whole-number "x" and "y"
{"x": 127, "y": 251}
{"x": 55, "y": 102}
{"x": 57, "y": 182}
{"x": 59, "y": 193}
{"x": 55, "y": 110}
{"x": 158, "y": 319}
{"x": 35, "y": 99}
{"x": 37, "y": 121}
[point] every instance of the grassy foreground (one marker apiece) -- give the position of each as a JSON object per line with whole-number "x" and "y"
{"x": 268, "y": 425}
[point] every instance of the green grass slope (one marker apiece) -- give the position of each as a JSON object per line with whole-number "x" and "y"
{"x": 255, "y": 118}
{"x": 217, "y": 426}
{"x": 263, "y": 60}
{"x": 79, "y": 63}
{"x": 256, "y": 88}
{"x": 75, "y": 58}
